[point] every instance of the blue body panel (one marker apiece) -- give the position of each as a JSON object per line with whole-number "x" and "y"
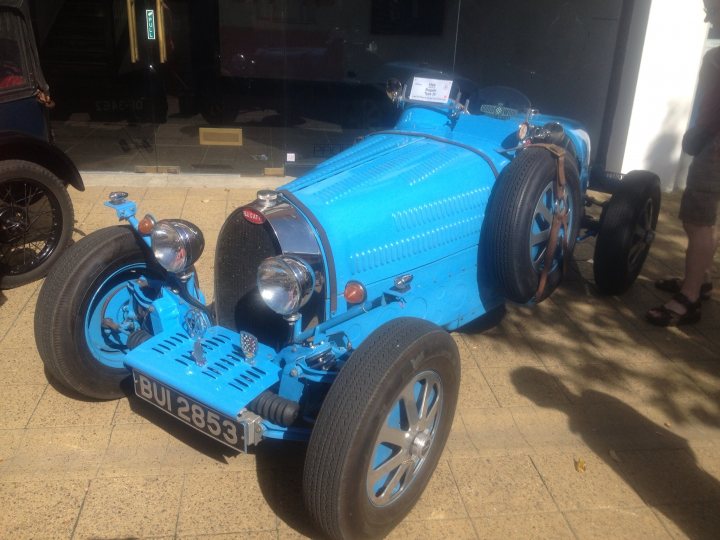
{"x": 413, "y": 201}
{"x": 26, "y": 116}
{"x": 226, "y": 383}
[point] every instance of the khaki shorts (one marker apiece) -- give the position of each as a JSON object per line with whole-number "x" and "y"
{"x": 699, "y": 207}
{"x": 699, "y": 204}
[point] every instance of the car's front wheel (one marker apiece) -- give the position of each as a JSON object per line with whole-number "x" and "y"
{"x": 86, "y": 314}
{"x": 382, "y": 429}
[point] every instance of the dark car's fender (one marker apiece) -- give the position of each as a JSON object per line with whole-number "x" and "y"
{"x": 15, "y": 145}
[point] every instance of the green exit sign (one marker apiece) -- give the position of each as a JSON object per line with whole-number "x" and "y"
{"x": 150, "y": 18}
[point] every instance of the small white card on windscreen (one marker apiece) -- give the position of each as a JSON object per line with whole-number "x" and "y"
{"x": 431, "y": 90}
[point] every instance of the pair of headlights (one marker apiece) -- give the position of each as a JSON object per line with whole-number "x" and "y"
{"x": 285, "y": 283}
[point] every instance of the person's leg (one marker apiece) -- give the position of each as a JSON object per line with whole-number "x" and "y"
{"x": 698, "y": 258}
{"x": 698, "y": 212}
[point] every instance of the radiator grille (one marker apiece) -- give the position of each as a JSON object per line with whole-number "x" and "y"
{"x": 241, "y": 247}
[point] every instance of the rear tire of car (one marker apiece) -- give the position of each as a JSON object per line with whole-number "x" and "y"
{"x": 369, "y": 457}
{"x": 627, "y": 229}
{"x": 86, "y": 284}
{"x": 519, "y": 217}
{"x": 26, "y": 176}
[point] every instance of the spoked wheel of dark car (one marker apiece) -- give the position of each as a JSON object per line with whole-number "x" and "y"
{"x": 381, "y": 430}
{"x": 519, "y": 223}
{"x": 88, "y": 316}
{"x": 627, "y": 229}
{"x": 36, "y": 219}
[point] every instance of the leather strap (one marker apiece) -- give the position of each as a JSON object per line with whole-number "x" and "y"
{"x": 560, "y": 217}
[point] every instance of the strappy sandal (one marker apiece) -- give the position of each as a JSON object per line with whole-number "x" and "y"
{"x": 663, "y": 316}
{"x": 674, "y": 286}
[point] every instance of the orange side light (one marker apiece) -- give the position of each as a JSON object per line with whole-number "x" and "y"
{"x": 355, "y": 292}
{"x": 146, "y": 224}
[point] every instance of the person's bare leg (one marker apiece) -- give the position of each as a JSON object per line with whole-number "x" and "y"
{"x": 698, "y": 261}
{"x": 698, "y": 258}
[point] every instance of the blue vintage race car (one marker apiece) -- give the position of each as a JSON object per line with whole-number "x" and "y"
{"x": 335, "y": 293}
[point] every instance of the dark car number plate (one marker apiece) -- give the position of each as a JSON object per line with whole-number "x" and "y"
{"x": 213, "y": 424}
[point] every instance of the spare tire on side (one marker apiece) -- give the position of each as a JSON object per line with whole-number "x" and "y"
{"x": 519, "y": 220}
{"x": 627, "y": 229}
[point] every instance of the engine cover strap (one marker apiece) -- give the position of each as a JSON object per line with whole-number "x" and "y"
{"x": 560, "y": 218}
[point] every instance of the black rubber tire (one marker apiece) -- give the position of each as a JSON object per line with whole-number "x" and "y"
{"x": 510, "y": 216}
{"x": 342, "y": 442}
{"x": 14, "y": 170}
{"x": 627, "y": 228}
{"x": 63, "y": 302}
{"x": 220, "y": 104}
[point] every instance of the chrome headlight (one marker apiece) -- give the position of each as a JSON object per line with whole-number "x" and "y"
{"x": 176, "y": 244}
{"x": 285, "y": 284}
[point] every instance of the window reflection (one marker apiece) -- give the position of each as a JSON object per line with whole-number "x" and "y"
{"x": 11, "y": 74}
{"x": 303, "y": 79}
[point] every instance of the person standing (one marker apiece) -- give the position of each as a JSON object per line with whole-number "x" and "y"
{"x": 701, "y": 199}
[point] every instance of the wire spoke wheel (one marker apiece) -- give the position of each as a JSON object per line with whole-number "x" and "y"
{"x": 31, "y": 224}
{"x": 36, "y": 219}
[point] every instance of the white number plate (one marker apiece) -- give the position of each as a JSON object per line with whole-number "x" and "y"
{"x": 216, "y": 425}
{"x": 432, "y": 90}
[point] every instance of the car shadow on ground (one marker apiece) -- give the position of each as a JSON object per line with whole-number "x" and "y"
{"x": 279, "y": 464}
{"x": 672, "y": 463}
{"x": 280, "y": 477}
{"x": 175, "y": 428}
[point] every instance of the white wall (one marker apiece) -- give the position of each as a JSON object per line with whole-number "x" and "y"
{"x": 671, "y": 58}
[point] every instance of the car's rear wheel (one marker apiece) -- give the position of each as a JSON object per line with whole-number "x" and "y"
{"x": 627, "y": 229}
{"x": 86, "y": 315}
{"x": 519, "y": 223}
{"x": 36, "y": 222}
{"x": 381, "y": 429}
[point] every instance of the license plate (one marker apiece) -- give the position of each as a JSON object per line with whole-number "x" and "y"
{"x": 211, "y": 423}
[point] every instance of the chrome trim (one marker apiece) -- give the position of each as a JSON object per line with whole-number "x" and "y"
{"x": 294, "y": 235}
{"x": 267, "y": 197}
{"x": 254, "y": 428}
{"x": 190, "y": 236}
{"x": 118, "y": 197}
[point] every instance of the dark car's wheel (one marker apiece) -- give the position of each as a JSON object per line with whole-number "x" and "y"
{"x": 36, "y": 221}
{"x": 86, "y": 313}
{"x": 519, "y": 222}
{"x": 627, "y": 229}
{"x": 381, "y": 429}
{"x": 219, "y": 105}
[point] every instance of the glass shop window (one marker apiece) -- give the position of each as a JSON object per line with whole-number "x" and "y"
{"x": 13, "y": 67}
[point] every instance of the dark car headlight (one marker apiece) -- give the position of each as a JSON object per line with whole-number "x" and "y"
{"x": 177, "y": 244}
{"x": 285, "y": 283}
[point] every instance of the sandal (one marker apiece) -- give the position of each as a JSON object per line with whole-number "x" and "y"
{"x": 664, "y": 316}
{"x": 674, "y": 286}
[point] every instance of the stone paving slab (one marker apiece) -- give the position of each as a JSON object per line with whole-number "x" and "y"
{"x": 576, "y": 420}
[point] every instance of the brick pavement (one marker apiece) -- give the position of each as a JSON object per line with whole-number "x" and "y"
{"x": 576, "y": 420}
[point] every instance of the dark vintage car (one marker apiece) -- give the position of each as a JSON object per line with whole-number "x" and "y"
{"x": 335, "y": 293}
{"x": 36, "y": 213}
